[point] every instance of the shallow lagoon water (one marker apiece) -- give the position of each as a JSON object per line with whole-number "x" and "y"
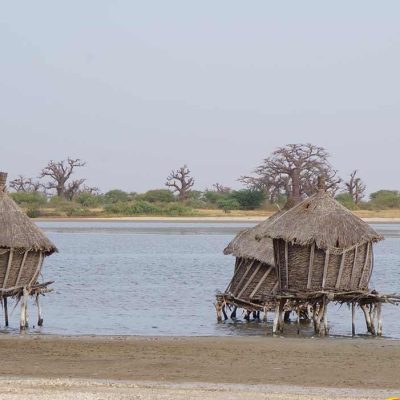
{"x": 160, "y": 278}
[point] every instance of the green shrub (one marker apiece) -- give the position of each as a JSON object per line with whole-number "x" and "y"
{"x": 116, "y": 196}
{"x": 385, "y": 199}
{"x": 89, "y": 200}
{"x": 33, "y": 213}
{"x": 176, "y": 210}
{"x": 158, "y": 196}
{"x": 346, "y": 200}
{"x": 248, "y": 199}
{"x": 29, "y": 199}
{"x": 228, "y": 204}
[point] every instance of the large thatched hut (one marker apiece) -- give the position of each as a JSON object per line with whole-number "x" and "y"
{"x": 23, "y": 247}
{"x": 321, "y": 245}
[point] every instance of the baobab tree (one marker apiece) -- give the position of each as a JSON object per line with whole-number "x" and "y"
{"x": 355, "y": 187}
{"x": 293, "y": 170}
{"x": 22, "y": 184}
{"x": 221, "y": 188}
{"x": 181, "y": 182}
{"x": 59, "y": 173}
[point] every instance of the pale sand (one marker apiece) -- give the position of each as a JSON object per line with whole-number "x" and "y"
{"x": 72, "y": 389}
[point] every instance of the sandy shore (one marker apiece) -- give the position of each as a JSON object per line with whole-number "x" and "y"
{"x": 227, "y": 219}
{"x": 291, "y": 363}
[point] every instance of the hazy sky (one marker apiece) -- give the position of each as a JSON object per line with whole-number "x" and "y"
{"x": 137, "y": 88}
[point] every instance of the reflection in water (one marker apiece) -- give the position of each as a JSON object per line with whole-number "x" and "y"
{"x": 158, "y": 278}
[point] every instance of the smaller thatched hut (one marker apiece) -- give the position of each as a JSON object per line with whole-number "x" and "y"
{"x": 321, "y": 245}
{"x": 23, "y": 247}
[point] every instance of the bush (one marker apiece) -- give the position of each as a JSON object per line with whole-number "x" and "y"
{"x": 33, "y": 213}
{"x": 346, "y": 200}
{"x": 116, "y": 196}
{"x": 228, "y": 204}
{"x": 176, "y": 209}
{"x": 248, "y": 199}
{"x": 89, "y": 200}
{"x": 158, "y": 196}
{"x": 29, "y": 199}
{"x": 385, "y": 199}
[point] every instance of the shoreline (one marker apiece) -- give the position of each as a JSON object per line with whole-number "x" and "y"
{"x": 95, "y": 389}
{"x": 221, "y": 219}
{"x": 347, "y": 363}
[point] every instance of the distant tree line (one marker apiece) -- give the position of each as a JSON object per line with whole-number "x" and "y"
{"x": 290, "y": 173}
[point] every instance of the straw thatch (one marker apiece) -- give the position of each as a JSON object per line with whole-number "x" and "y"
{"x": 245, "y": 245}
{"x": 23, "y": 246}
{"x": 322, "y": 220}
{"x": 320, "y": 245}
{"x": 18, "y": 231}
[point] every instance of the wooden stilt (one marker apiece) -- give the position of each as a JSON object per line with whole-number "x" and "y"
{"x": 298, "y": 319}
{"x": 233, "y": 314}
{"x": 372, "y": 318}
{"x": 23, "y": 323}
{"x": 325, "y": 317}
{"x": 224, "y": 312}
{"x": 218, "y": 308}
{"x": 378, "y": 307}
{"x": 39, "y": 310}
{"x": 5, "y": 306}
{"x": 367, "y": 316}
{"x": 247, "y": 316}
{"x": 281, "y": 315}
{"x": 353, "y": 319}
{"x": 265, "y": 318}
{"x": 276, "y": 318}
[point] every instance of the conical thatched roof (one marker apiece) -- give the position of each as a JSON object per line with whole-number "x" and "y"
{"x": 245, "y": 244}
{"x": 16, "y": 229}
{"x": 323, "y": 220}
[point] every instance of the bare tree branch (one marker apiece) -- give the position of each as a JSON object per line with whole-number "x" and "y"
{"x": 181, "y": 182}
{"x": 355, "y": 187}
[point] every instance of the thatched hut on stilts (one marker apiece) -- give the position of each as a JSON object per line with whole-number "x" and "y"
{"x": 322, "y": 253}
{"x": 23, "y": 248}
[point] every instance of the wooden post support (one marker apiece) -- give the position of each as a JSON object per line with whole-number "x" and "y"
{"x": 379, "y": 317}
{"x": 367, "y": 315}
{"x": 353, "y": 319}
{"x": 325, "y": 316}
{"x": 39, "y": 310}
{"x": 218, "y": 309}
{"x": 287, "y": 263}
{"x": 276, "y": 318}
{"x": 281, "y": 315}
{"x": 265, "y": 309}
{"x": 233, "y": 314}
{"x": 5, "y": 311}
{"x": 298, "y": 319}
{"x": 24, "y": 309}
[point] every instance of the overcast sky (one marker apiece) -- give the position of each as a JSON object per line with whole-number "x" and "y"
{"x": 137, "y": 88}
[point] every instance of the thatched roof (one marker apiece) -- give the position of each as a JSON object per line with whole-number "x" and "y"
{"x": 17, "y": 230}
{"x": 323, "y": 220}
{"x": 245, "y": 244}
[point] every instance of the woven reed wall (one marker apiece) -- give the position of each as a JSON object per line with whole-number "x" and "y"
{"x": 248, "y": 267}
{"x": 355, "y": 274}
{"x": 29, "y": 269}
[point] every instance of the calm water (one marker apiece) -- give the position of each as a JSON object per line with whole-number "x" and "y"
{"x": 155, "y": 278}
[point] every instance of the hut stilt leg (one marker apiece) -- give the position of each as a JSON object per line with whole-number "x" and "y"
{"x": 39, "y": 310}
{"x": 218, "y": 308}
{"x": 316, "y": 310}
{"x": 5, "y": 311}
{"x": 379, "y": 318}
{"x": 265, "y": 318}
{"x": 367, "y": 315}
{"x": 233, "y": 313}
{"x": 319, "y": 318}
{"x": 23, "y": 323}
{"x": 281, "y": 315}
{"x": 276, "y": 318}
{"x": 325, "y": 317}
{"x": 353, "y": 319}
{"x": 247, "y": 316}
{"x": 224, "y": 312}
{"x": 372, "y": 318}
{"x": 298, "y": 319}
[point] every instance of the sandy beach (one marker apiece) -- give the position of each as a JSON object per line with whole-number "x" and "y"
{"x": 185, "y": 367}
